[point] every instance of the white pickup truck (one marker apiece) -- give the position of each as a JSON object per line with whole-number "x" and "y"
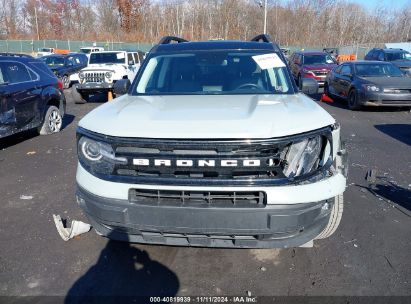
{"x": 103, "y": 70}
{"x": 212, "y": 145}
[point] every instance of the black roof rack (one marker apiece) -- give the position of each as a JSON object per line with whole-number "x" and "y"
{"x": 263, "y": 38}
{"x": 169, "y": 39}
{"x": 16, "y": 55}
{"x": 266, "y": 39}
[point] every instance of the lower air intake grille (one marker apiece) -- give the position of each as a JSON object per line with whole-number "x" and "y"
{"x": 198, "y": 198}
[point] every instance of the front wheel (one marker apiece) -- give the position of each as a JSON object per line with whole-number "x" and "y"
{"x": 335, "y": 218}
{"x": 353, "y": 101}
{"x": 52, "y": 121}
{"x": 66, "y": 81}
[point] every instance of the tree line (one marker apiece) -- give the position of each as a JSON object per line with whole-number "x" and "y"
{"x": 292, "y": 22}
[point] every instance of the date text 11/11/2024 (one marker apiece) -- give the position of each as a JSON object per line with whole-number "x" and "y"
{"x": 204, "y": 299}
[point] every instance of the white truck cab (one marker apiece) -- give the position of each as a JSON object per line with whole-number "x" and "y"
{"x": 91, "y": 49}
{"x": 212, "y": 145}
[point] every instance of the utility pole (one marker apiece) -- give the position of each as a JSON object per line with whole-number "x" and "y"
{"x": 37, "y": 24}
{"x": 265, "y": 16}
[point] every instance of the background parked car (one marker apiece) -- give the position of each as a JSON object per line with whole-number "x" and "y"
{"x": 311, "y": 64}
{"x": 64, "y": 66}
{"x": 399, "y": 57}
{"x": 49, "y": 51}
{"x": 31, "y": 96}
{"x": 91, "y": 49}
{"x": 332, "y": 51}
{"x": 369, "y": 83}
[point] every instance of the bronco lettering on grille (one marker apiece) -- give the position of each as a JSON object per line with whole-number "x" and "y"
{"x": 197, "y": 163}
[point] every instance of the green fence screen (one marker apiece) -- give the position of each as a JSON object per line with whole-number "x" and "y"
{"x": 32, "y": 46}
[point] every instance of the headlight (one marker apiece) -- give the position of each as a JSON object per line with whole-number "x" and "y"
{"x": 303, "y": 157}
{"x": 81, "y": 75}
{"x": 108, "y": 74}
{"x": 97, "y": 156}
{"x": 371, "y": 88}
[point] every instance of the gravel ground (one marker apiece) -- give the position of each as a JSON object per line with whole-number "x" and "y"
{"x": 369, "y": 255}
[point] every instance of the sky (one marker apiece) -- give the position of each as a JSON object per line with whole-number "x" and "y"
{"x": 388, "y": 3}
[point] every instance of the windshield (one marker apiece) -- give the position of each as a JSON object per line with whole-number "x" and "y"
{"x": 85, "y": 51}
{"x": 398, "y": 56}
{"x": 378, "y": 70}
{"x": 318, "y": 59}
{"x": 109, "y": 57}
{"x": 53, "y": 61}
{"x": 217, "y": 72}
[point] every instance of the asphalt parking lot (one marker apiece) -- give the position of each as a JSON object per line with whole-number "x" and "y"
{"x": 368, "y": 255}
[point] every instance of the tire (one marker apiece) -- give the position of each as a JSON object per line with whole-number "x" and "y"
{"x": 66, "y": 81}
{"x": 353, "y": 101}
{"x": 52, "y": 121}
{"x": 78, "y": 97}
{"x": 335, "y": 218}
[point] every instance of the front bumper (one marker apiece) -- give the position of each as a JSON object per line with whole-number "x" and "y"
{"x": 268, "y": 227}
{"x": 319, "y": 79}
{"x": 95, "y": 86}
{"x": 385, "y": 99}
{"x": 292, "y": 216}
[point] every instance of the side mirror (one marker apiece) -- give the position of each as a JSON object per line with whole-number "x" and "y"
{"x": 309, "y": 86}
{"x": 121, "y": 86}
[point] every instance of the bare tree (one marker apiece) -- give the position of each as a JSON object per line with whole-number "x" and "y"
{"x": 309, "y": 23}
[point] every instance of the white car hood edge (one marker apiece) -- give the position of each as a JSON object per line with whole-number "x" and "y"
{"x": 207, "y": 117}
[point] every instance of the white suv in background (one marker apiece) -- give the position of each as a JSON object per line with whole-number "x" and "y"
{"x": 103, "y": 70}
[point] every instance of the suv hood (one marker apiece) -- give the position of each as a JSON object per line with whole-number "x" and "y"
{"x": 105, "y": 67}
{"x": 389, "y": 82}
{"x": 402, "y": 63}
{"x": 223, "y": 116}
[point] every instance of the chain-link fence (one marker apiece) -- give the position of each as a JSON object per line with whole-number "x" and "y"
{"x": 32, "y": 46}
{"x": 360, "y": 50}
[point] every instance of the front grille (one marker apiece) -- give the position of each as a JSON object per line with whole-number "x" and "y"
{"x": 397, "y": 91}
{"x": 94, "y": 77}
{"x": 236, "y": 199}
{"x": 320, "y": 73}
{"x": 182, "y": 160}
{"x": 206, "y": 162}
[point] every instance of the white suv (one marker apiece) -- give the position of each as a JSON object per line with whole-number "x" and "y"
{"x": 103, "y": 70}
{"x": 212, "y": 145}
